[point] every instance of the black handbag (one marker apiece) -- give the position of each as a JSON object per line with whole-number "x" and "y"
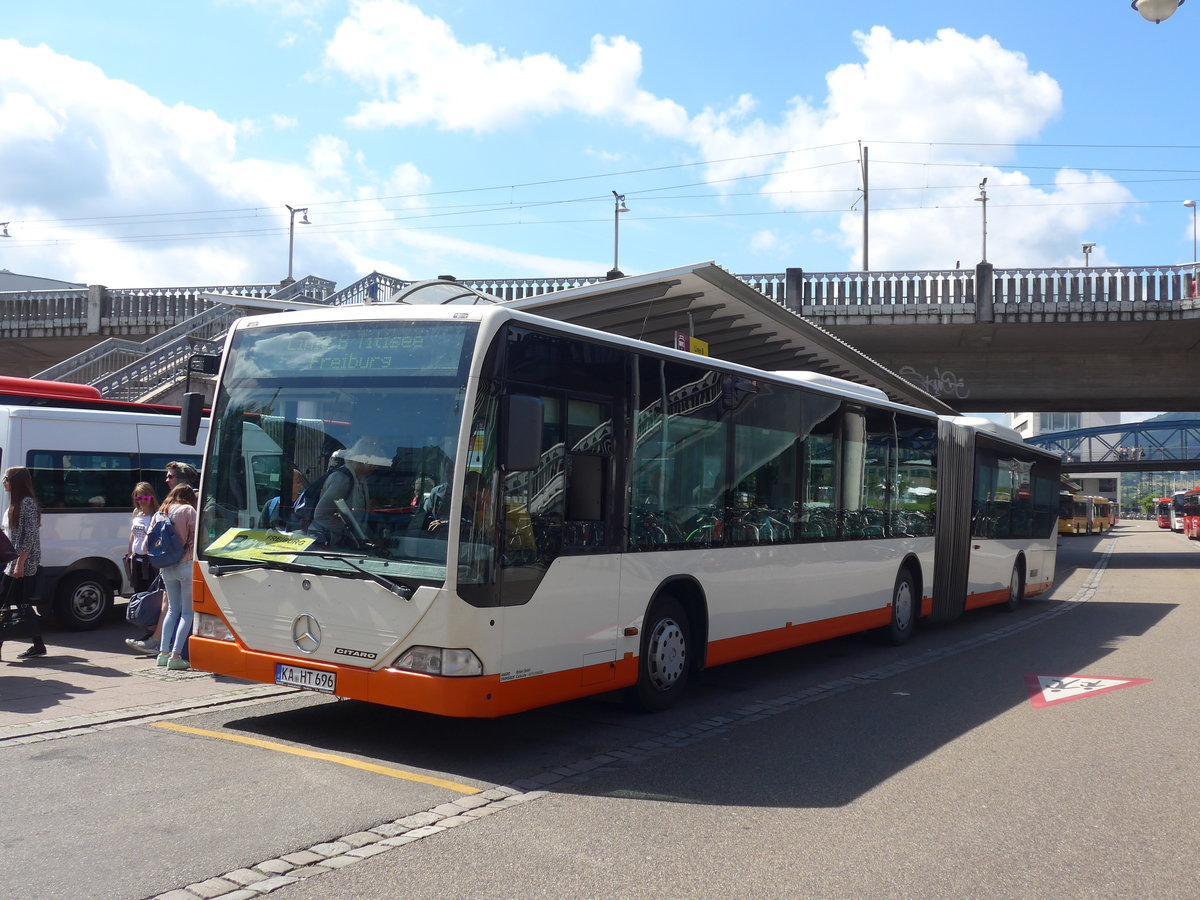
{"x": 7, "y": 551}
{"x": 17, "y": 617}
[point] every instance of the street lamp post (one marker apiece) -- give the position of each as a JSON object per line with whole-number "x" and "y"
{"x": 292, "y": 211}
{"x": 1087, "y": 251}
{"x": 982, "y": 198}
{"x": 618, "y": 208}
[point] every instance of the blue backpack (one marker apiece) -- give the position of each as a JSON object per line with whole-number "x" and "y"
{"x": 163, "y": 546}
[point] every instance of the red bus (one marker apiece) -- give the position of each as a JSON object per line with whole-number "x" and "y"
{"x": 1191, "y": 514}
{"x": 1162, "y": 511}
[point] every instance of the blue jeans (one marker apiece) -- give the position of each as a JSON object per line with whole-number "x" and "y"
{"x": 177, "y": 626}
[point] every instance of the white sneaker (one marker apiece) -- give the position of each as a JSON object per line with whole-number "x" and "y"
{"x": 142, "y": 646}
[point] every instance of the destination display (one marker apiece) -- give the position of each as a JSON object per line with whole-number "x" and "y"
{"x": 336, "y": 349}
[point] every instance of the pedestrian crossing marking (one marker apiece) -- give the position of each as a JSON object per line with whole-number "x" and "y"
{"x": 1050, "y": 690}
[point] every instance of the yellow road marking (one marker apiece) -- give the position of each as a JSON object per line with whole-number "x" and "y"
{"x": 327, "y": 757}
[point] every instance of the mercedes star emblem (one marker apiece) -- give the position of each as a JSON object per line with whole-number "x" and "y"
{"x": 306, "y": 633}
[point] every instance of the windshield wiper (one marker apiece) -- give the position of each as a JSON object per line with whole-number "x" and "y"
{"x": 402, "y": 591}
{"x": 222, "y": 568}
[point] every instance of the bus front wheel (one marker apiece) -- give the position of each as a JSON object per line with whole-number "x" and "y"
{"x": 1016, "y": 588}
{"x": 665, "y": 657}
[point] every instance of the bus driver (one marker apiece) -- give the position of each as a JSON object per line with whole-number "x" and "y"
{"x": 347, "y": 484}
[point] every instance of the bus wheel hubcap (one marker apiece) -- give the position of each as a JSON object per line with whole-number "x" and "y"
{"x": 904, "y": 605}
{"x": 668, "y": 652}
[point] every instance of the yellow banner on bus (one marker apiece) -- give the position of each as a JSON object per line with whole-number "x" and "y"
{"x": 270, "y": 546}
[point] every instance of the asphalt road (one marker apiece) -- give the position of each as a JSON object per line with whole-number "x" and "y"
{"x": 846, "y": 769}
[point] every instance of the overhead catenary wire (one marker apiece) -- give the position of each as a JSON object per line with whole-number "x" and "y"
{"x": 369, "y": 210}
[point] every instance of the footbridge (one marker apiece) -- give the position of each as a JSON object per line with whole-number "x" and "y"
{"x": 1153, "y": 446}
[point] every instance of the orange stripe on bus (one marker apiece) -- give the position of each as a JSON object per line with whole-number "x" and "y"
{"x": 489, "y": 696}
{"x": 748, "y": 645}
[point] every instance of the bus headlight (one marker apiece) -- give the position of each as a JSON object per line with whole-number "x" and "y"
{"x": 439, "y": 661}
{"x": 212, "y": 627}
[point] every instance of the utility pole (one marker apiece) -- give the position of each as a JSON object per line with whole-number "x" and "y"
{"x": 866, "y": 208}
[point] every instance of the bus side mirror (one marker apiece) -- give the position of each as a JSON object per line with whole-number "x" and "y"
{"x": 520, "y": 433}
{"x": 189, "y": 417}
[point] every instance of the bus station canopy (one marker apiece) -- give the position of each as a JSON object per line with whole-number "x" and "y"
{"x": 738, "y": 323}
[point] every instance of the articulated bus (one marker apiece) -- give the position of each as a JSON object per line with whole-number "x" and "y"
{"x": 1162, "y": 512}
{"x": 85, "y": 454}
{"x": 535, "y": 511}
{"x": 1101, "y": 514}
{"x": 1075, "y": 513}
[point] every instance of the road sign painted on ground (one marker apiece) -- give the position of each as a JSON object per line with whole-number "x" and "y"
{"x": 1049, "y": 690}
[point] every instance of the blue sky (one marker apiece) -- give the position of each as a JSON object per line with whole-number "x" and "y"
{"x": 157, "y": 144}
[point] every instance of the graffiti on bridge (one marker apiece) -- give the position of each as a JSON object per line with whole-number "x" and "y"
{"x": 940, "y": 384}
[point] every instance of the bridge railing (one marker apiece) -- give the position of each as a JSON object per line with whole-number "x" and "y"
{"x": 1009, "y": 287}
{"x": 894, "y": 288}
{"x": 98, "y": 309}
{"x": 55, "y": 312}
{"x": 1108, "y": 284}
{"x": 125, "y": 369}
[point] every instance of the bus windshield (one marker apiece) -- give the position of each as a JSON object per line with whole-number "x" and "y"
{"x": 331, "y": 447}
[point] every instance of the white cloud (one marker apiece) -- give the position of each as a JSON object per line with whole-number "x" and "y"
{"x": 419, "y": 73}
{"x": 764, "y": 241}
{"x": 915, "y": 104}
{"x": 22, "y": 117}
{"x": 77, "y": 144}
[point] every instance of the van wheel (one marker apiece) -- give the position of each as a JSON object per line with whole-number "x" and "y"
{"x": 1016, "y": 587}
{"x": 906, "y": 608}
{"x": 82, "y": 601}
{"x": 665, "y": 657}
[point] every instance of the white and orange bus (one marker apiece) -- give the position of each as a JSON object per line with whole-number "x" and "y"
{"x": 537, "y": 511}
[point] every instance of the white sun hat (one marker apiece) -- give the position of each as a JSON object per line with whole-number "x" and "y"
{"x": 368, "y": 451}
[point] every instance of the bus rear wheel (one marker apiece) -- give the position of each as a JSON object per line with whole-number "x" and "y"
{"x": 665, "y": 657}
{"x": 82, "y": 600}
{"x": 905, "y": 610}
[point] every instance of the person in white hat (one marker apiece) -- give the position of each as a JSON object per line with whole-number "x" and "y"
{"x": 347, "y": 483}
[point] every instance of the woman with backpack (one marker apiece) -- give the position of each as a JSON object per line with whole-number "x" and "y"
{"x": 179, "y": 510}
{"x": 23, "y": 525}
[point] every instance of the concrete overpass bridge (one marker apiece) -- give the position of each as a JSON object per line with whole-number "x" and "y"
{"x": 1001, "y": 340}
{"x": 981, "y": 339}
